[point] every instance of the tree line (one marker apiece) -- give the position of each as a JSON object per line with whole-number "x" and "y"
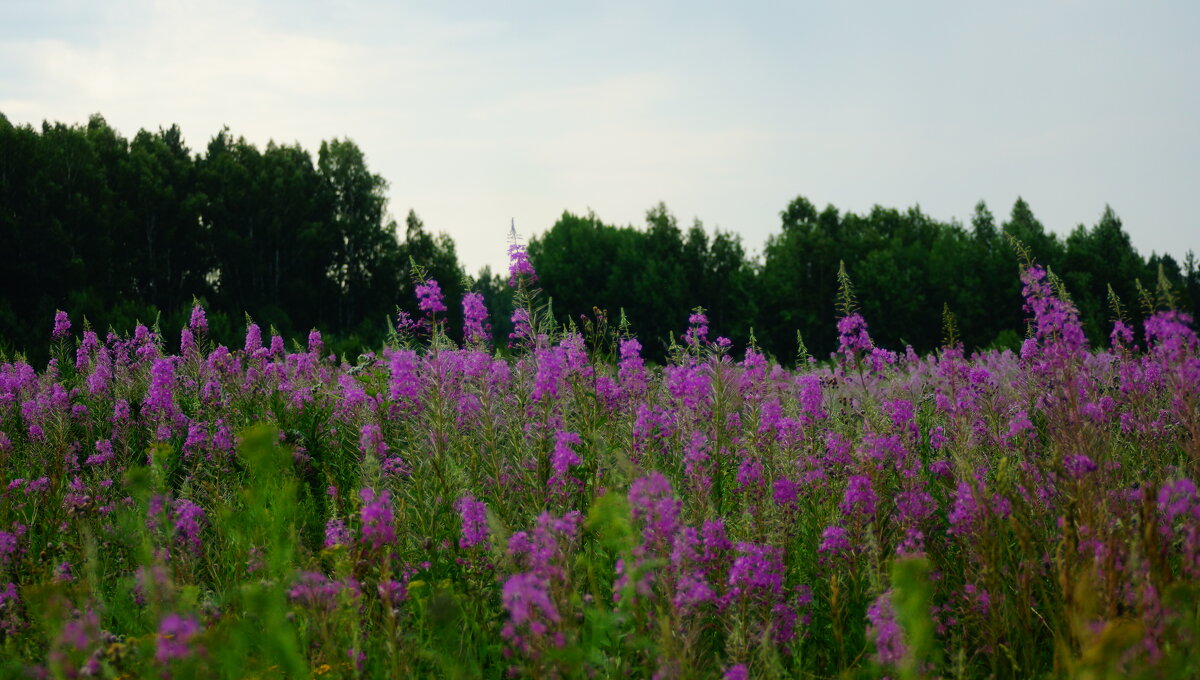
{"x": 908, "y": 269}
{"x": 123, "y": 230}
{"x": 120, "y": 230}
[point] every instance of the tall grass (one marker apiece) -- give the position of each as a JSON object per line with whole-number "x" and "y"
{"x": 560, "y": 508}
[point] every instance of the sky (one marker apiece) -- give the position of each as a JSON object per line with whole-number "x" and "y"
{"x": 482, "y": 113}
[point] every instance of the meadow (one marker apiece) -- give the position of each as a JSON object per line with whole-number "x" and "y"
{"x": 562, "y": 508}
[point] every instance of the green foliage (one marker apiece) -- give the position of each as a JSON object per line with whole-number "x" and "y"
{"x": 903, "y": 263}
{"x": 652, "y": 278}
{"x": 119, "y": 230}
{"x": 1001, "y": 549}
{"x": 122, "y": 230}
{"x": 950, "y": 336}
{"x": 1115, "y": 306}
{"x": 846, "y": 304}
{"x": 912, "y": 598}
{"x": 1166, "y": 294}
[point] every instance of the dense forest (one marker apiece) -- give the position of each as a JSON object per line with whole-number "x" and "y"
{"x": 907, "y": 268}
{"x": 118, "y": 230}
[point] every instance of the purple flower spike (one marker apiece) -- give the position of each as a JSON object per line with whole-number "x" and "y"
{"x": 336, "y": 534}
{"x": 62, "y": 325}
{"x": 174, "y": 633}
{"x": 852, "y": 335}
{"x": 378, "y": 524}
{"x": 476, "y": 329}
{"x": 834, "y": 541}
{"x": 519, "y": 265}
{"x": 429, "y": 297}
{"x": 199, "y": 322}
{"x": 889, "y": 638}
{"x": 474, "y": 522}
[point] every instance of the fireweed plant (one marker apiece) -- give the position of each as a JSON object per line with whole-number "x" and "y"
{"x": 533, "y": 511}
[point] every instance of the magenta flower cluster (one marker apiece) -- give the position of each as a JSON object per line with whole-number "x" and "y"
{"x": 550, "y": 510}
{"x": 429, "y": 297}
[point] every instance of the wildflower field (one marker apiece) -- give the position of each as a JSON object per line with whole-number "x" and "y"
{"x": 560, "y": 508}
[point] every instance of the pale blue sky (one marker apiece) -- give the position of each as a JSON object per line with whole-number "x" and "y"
{"x": 481, "y": 112}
